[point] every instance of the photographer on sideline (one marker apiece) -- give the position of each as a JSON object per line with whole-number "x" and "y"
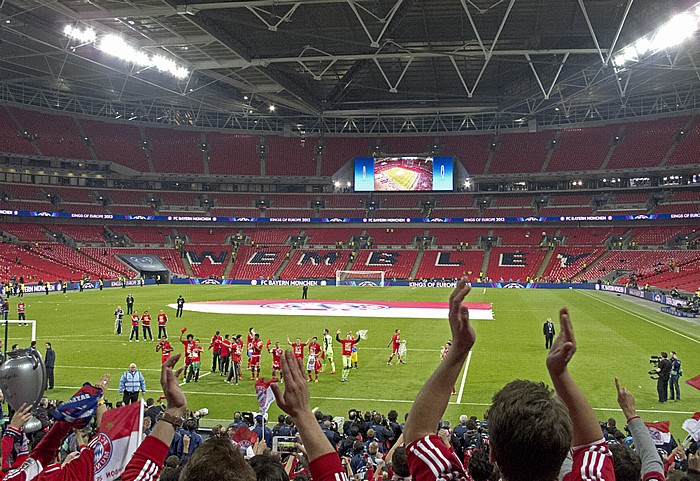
{"x": 664, "y": 371}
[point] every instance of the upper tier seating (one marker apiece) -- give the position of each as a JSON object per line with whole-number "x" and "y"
{"x": 455, "y": 236}
{"x": 393, "y": 236}
{"x": 232, "y": 154}
{"x": 657, "y": 235}
{"x": 644, "y": 144}
{"x": 687, "y": 151}
{"x": 287, "y": 157}
{"x": 582, "y": 148}
{"x": 57, "y": 136}
{"x": 80, "y": 233}
{"x": 176, "y": 150}
{"x": 589, "y": 236}
{"x": 270, "y": 236}
{"x": 207, "y": 235}
{"x": 10, "y": 138}
{"x": 450, "y": 264}
{"x": 521, "y": 236}
{"x": 472, "y": 151}
{"x": 116, "y": 142}
{"x": 337, "y": 151}
{"x": 144, "y": 234}
{"x": 25, "y": 232}
{"x": 521, "y": 152}
{"x": 396, "y": 264}
{"x": 329, "y": 236}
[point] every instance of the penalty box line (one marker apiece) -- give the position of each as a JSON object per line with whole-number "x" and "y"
{"x": 396, "y": 401}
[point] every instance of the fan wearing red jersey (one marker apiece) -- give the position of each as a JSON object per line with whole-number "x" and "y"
{"x": 189, "y": 344}
{"x": 298, "y": 347}
{"x": 348, "y": 344}
{"x": 162, "y": 324}
{"x": 276, "y": 353}
{"x": 134, "y": 326}
{"x": 165, "y": 348}
{"x": 395, "y": 344}
{"x": 256, "y": 349}
{"x": 313, "y": 364}
{"x": 195, "y": 361}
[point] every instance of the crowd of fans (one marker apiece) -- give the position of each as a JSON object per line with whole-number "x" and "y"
{"x": 528, "y": 433}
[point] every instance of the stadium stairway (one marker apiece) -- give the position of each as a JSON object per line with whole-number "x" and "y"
{"x": 547, "y": 258}
{"x": 416, "y": 265}
{"x": 229, "y": 267}
{"x": 485, "y": 263}
{"x": 188, "y": 267}
{"x": 550, "y": 152}
{"x": 686, "y": 128}
{"x": 284, "y": 262}
{"x": 604, "y": 165}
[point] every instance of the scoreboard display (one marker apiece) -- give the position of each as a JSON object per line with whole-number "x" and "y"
{"x": 403, "y": 174}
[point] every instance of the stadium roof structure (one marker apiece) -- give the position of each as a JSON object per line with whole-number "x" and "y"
{"x": 350, "y": 66}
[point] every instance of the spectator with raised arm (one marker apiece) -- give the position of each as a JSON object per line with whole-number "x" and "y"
{"x": 651, "y": 467}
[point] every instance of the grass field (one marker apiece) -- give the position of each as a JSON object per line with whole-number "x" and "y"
{"x": 615, "y": 338}
{"x": 402, "y": 177}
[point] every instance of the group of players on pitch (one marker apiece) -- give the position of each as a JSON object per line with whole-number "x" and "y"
{"x": 227, "y": 354}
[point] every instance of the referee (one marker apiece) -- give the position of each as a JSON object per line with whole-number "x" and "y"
{"x": 131, "y": 383}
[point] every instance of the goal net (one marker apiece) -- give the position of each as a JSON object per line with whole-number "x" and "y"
{"x": 359, "y": 278}
{"x": 21, "y": 332}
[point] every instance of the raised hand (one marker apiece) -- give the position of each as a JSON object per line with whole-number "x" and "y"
{"x": 103, "y": 383}
{"x": 21, "y": 416}
{"x": 174, "y": 396}
{"x": 463, "y": 334}
{"x": 295, "y": 398}
{"x": 626, "y": 400}
{"x": 564, "y": 345}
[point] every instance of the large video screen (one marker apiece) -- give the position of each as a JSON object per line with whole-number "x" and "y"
{"x": 403, "y": 174}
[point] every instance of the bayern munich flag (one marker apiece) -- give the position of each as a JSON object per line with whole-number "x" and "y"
{"x": 119, "y": 436}
{"x": 660, "y": 432}
{"x": 692, "y": 426}
{"x": 265, "y": 394}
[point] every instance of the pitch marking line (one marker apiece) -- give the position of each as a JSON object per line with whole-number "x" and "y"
{"x": 639, "y": 317}
{"x": 402, "y": 401}
{"x": 464, "y": 377}
{"x": 200, "y": 377}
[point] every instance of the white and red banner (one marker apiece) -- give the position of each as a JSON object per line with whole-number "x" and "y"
{"x": 660, "y": 432}
{"x": 265, "y": 394}
{"x": 117, "y": 440}
{"x": 692, "y": 426}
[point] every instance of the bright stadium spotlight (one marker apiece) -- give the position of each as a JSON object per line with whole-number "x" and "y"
{"x": 116, "y": 46}
{"x": 678, "y": 29}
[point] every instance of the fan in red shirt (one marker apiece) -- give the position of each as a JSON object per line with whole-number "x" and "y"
{"x": 276, "y": 358}
{"x": 395, "y": 344}
{"x": 162, "y": 322}
{"x": 313, "y": 363}
{"x": 348, "y": 343}
{"x": 298, "y": 347}
{"x": 236, "y": 351}
{"x": 225, "y": 355}
{"x": 195, "y": 361}
{"x": 165, "y": 348}
{"x": 146, "y": 325}
{"x": 134, "y": 326}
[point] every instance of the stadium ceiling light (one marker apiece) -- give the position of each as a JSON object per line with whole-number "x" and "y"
{"x": 118, "y": 47}
{"x": 678, "y": 29}
{"x": 272, "y": 108}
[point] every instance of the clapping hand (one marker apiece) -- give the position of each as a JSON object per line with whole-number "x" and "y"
{"x": 173, "y": 393}
{"x": 564, "y": 345}
{"x": 463, "y": 334}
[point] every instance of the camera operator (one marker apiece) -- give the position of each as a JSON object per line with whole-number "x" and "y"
{"x": 664, "y": 370}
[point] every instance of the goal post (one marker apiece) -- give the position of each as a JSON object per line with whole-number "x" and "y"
{"x": 359, "y": 278}
{"x": 11, "y": 327}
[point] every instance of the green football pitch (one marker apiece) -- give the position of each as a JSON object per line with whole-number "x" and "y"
{"x": 615, "y": 338}
{"x": 403, "y": 177}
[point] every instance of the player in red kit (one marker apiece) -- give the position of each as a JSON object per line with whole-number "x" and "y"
{"x": 256, "y": 348}
{"x": 134, "y": 326}
{"x": 225, "y": 356}
{"x": 313, "y": 364}
{"x": 395, "y": 344}
{"x": 195, "y": 361}
{"x": 348, "y": 343}
{"x": 298, "y": 347}
{"x": 165, "y": 348}
{"x": 276, "y": 353}
{"x": 20, "y": 311}
{"x": 249, "y": 344}
{"x": 189, "y": 344}
{"x": 236, "y": 352}
{"x": 215, "y": 347}
{"x": 162, "y": 323}
{"x": 146, "y": 325}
